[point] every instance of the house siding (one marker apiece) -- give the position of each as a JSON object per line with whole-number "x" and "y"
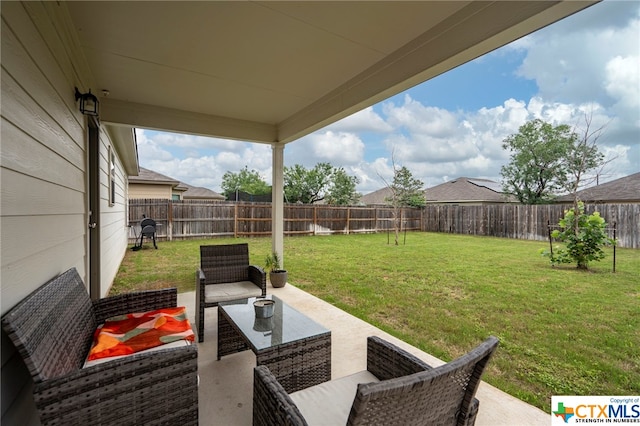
{"x": 141, "y": 190}
{"x": 43, "y": 173}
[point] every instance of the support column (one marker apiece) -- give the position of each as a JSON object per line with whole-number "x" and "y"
{"x": 277, "y": 200}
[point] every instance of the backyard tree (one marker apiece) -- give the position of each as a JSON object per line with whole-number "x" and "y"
{"x": 322, "y": 182}
{"x": 536, "y": 171}
{"x": 342, "y": 191}
{"x": 584, "y": 235}
{"x": 583, "y": 246}
{"x": 306, "y": 186}
{"x": 581, "y": 157}
{"x": 245, "y": 180}
{"x": 406, "y": 191}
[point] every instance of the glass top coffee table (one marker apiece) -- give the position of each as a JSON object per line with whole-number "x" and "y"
{"x": 296, "y": 349}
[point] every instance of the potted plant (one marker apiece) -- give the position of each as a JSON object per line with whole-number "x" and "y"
{"x": 277, "y": 275}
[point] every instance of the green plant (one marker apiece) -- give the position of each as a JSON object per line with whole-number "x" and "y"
{"x": 272, "y": 262}
{"x": 584, "y": 236}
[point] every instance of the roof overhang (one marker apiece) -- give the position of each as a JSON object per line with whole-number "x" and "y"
{"x": 124, "y": 141}
{"x": 273, "y": 72}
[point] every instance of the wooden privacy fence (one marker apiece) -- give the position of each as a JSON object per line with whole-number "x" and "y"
{"x": 178, "y": 220}
{"x": 528, "y": 222}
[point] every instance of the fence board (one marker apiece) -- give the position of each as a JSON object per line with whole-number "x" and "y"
{"x": 202, "y": 219}
{"x": 527, "y": 222}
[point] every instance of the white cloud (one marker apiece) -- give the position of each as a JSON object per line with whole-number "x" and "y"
{"x": 366, "y": 120}
{"x": 194, "y": 142}
{"x": 569, "y": 60}
{"x": 200, "y": 161}
{"x": 338, "y": 148}
{"x": 420, "y": 119}
{"x": 622, "y": 82}
{"x": 149, "y": 149}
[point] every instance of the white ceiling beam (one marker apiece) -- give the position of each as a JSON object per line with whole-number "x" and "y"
{"x": 173, "y": 120}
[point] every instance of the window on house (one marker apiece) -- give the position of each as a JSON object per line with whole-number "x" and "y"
{"x": 112, "y": 177}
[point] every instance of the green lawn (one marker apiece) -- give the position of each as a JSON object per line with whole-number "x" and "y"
{"x": 562, "y": 331}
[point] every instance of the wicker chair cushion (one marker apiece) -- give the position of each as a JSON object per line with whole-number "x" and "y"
{"x": 178, "y": 344}
{"x": 231, "y": 291}
{"x": 135, "y": 332}
{"x": 329, "y": 403}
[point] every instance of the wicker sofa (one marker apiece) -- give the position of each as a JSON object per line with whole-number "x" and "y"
{"x": 396, "y": 389}
{"x": 53, "y": 329}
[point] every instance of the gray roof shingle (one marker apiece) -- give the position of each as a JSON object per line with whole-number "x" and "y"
{"x": 147, "y": 176}
{"x": 151, "y": 177}
{"x": 468, "y": 190}
{"x": 460, "y": 190}
{"x": 200, "y": 193}
{"x": 626, "y": 190}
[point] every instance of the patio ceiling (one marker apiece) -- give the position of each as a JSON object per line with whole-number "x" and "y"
{"x": 273, "y": 72}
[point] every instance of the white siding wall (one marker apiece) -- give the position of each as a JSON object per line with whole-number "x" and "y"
{"x": 145, "y": 190}
{"x": 43, "y": 176}
{"x": 113, "y": 218}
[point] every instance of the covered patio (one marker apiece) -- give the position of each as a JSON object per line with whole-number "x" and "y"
{"x": 226, "y": 386}
{"x": 251, "y": 71}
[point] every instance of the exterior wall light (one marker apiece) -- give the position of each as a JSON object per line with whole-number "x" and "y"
{"x": 88, "y": 103}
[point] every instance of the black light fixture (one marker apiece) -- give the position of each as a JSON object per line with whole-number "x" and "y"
{"x": 88, "y": 103}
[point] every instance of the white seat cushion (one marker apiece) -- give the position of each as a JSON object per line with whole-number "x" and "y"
{"x": 214, "y": 293}
{"x": 329, "y": 403}
{"x": 176, "y": 344}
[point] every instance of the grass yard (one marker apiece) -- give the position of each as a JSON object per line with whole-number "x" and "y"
{"x": 562, "y": 331}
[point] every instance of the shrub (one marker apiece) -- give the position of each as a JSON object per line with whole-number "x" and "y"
{"x": 584, "y": 237}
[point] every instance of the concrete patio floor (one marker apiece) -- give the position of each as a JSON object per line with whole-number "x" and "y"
{"x": 226, "y": 386}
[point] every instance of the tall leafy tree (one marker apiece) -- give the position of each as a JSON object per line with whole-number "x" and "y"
{"x": 245, "y": 180}
{"x": 306, "y": 186}
{"x": 537, "y": 170}
{"x": 342, "y": 191}
{"x": 322, "y": 182}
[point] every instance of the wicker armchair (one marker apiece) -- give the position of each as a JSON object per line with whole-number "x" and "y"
{"x": 53, "y": 329}
{"x": 225, "y": 275}
{"x": 396, "y": 389}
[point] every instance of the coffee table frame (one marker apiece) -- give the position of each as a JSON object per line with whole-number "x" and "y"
{"x": 297, "y": 365}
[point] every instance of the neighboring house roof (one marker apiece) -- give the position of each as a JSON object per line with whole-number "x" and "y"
{"x": 149, "y": 177}
{"x": 376, "y": 197}
{"x": 623, "y": 190}
{"x": 460, "y": 190}
{"x": 468, "y": 190}
{"x": 200, "y": 193}
{"x": 153, "y": 178}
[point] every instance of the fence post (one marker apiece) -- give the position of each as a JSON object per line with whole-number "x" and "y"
{"x": 549, "y": 232}
{"x": 170, "y": 221}
{"x": 375, "y": 215}
{"x": 614, "y": 246}
{"x": 235, "y": 220}
{"x": 315, "y": 219}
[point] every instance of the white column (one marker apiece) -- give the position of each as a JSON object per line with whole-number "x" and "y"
{"x": 277, "y": 200}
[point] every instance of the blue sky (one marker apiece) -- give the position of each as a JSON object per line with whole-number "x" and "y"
{"x": 453, "y": 125}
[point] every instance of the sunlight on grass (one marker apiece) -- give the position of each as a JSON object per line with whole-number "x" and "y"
{"x": 562, "y": 331}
